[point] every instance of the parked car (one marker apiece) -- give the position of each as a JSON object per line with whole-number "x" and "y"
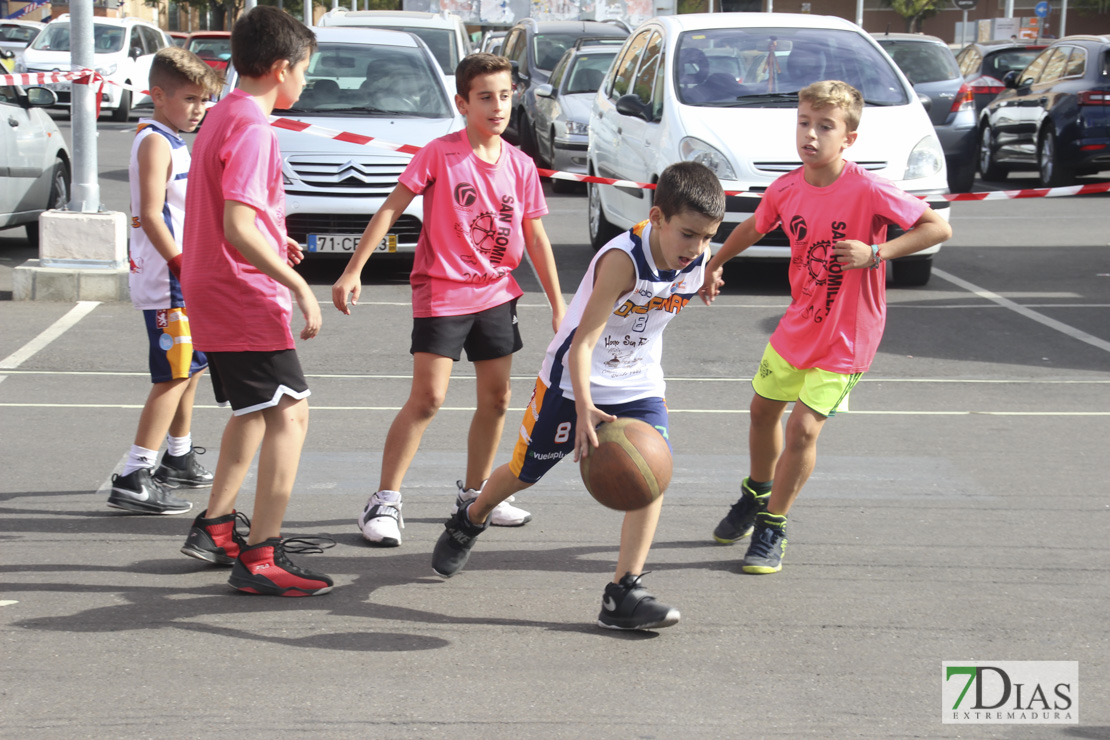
{"x": 378, "y": 83}
{"x": 534, "y": 48}
{"x": 563, "y": 109}
{"x": 179, "y": 38}
{"x": 214, "y": 47}
{"x": 443, "y": 32}
{"x": 14, "y": 37}
{"x": 34, "y": 159}
{"x": 123, "y": 49}
{"x": 1053, "y": 117}
{"x": 931, "y": 68}
{"x": 492, "y": 40}
{"x": 661, "y": 102}
{"x": 984, "y": 64}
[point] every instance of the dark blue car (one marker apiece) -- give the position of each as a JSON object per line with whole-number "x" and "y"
{"x": 1053, "y": 117}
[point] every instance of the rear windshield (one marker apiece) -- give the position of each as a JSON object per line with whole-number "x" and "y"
{"x": 998, "y": 64}
{"x": 766, "y": 67}
{"x": 922, "y": 61}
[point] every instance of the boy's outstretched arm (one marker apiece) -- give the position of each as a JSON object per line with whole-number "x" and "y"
{"x": 930, "y": 229}
{"x": 742, "y": 237}
{"x": 155, "y": 169}
{"x": 241, "y": 232}
{"x": 614, "y": 276}
{"x": 543, "y": 260}
{"x": 350, "y": 282}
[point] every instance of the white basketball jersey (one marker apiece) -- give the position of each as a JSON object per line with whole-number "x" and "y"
{"x": 151, "y": 282}
{"x": 626, "y": 358}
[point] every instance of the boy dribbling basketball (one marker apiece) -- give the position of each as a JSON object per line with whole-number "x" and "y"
{"x": 604, "y": 364}
{"x": 831, "y": 331}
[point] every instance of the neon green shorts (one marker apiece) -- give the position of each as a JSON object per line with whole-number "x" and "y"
{"x": 823, "y": 391}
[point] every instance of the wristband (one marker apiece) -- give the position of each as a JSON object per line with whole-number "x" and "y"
{"x": 876, "y": 258}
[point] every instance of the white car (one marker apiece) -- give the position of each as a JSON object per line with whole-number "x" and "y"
{"x": 14, "y": 37}
{"x": 721, "y": 89}
{"x": 443, "y": 32}
{"x": 382, "y": 84}
{"x": 34, "y": 159}
{"x": 123, "y": 50}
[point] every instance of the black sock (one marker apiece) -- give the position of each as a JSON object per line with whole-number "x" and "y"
{"x": 759, "y": 488}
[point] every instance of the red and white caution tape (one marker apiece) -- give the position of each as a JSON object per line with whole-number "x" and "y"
{"x": 86, "y": 77}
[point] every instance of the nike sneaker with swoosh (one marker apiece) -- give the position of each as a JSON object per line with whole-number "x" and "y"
{"x": 453, "y": 547}
{"x": 138, "y": 492}
{"x": 627, "y": 605}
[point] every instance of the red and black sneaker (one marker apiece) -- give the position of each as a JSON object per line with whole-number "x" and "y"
{"x": 216, "y": 540}
{"x": 264, "y": 568}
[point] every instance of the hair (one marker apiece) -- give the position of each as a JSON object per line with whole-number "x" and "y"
{"x": 835, "y": 94}
{"x": 266, "y": 35}
{"x": 173, "y": 67}
{"x": 476, "y": 65}
{"x": 690, "y": 186}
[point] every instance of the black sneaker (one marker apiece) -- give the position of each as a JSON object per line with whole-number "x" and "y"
{"x": 737, "y": 523}
{"x": 453, "y": 547}
{"x": 265, "y": 569}
{"x": 216, "y": 540}
{"x": 139, "y": 492}
{"x": 768, "y": 545}
{"x": 183, "y": 471}
{"x": 628, "y": 606}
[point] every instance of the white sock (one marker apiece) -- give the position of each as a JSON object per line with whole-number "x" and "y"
{"x": 391, "y": 496}
{"x": 139, "y": 457}
{"x": 178, "y": 446}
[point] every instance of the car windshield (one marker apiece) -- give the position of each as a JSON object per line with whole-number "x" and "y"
{"x": 215, "y": 48}
{"x": 363, "y": 79}
{"x": 998, "y": 64}
{"x": 548, "y": 48}
{"x": 586, "y": 73}
{"x": 765, "y": 67}
{"x": 55, "y": 37}
{"x": 922, "y": 61}
{"x": 441, "y": 42}
{"x": 18, "y": 34}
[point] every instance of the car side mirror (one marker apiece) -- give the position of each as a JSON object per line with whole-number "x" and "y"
{"x": 925, "y": 101}
{"x": 41, "y": 97}
{"x": 545, "y": 91}
{"x": 136, "y": 52}
{"x": 1011, "y": 78}
{"x": 631, "y": 105}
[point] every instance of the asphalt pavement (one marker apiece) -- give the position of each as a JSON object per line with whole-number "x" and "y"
{"x": 954, "y": 515}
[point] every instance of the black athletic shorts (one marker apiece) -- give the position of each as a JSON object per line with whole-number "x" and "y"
{"x": 485, "y": 335}
{"x": 253, "y": 381}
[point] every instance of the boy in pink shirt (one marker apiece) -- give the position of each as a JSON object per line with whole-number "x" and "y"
{"x": 482, "y": 207}
{"x": 237, "y": 275}
{"x": 836, "y": 214}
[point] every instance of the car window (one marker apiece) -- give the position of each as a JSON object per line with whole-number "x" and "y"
{"x": 1054, "y": 67}
{"x": 55, "y": 37}
{"x": 548, "y": 48}
{"x": 969, "y": 60}
{"x": 20, "y": 34}
{"x": 999, "y": 64}
{"x": 441, "y": 42}
{"x": 658, "y": 95}
{"x": 8, "y": 95}
{"x": 361, "y": 79}
{"x": 1077, "y": 62}
{"x": 519, "y": 50}
{"x": 212, "y": 48}
{"x": 1033, "y": 71}
{"x": 627, "y": 65}
{"x": 559, "y": 71}
{"x": 587, "y": 72}
{"x": 152, "y": 39}
{"x": 922, "y": 62}
{"x": 1105, "y": 71}
{"x": 135, "y": 40}
{"x": 784, "y": 61}
{"x": 644, "y": 84}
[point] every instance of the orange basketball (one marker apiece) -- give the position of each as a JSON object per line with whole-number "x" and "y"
{"x": 630, "y": 467}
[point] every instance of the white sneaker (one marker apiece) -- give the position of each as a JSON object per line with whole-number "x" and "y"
{"x": 503, "y": 515}
{"x": 381, "y": 521}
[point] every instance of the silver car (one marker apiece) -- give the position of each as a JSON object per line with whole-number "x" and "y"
{"x": 563, "y": 109}
{"x": 34, "y": 159}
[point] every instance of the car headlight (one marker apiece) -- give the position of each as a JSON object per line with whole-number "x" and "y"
{"x": 577, "y": 127}
{"x": 696, "y": 150}
{"x": 109, "y": 70}
{"x": 926, "y": 159}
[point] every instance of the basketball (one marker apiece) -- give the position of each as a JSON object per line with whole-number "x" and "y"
{"x": 630, "y": 467}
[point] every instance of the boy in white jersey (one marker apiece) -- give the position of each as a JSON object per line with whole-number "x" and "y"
{"x": 180, "y": 85}
{"x": 592, "y": 373}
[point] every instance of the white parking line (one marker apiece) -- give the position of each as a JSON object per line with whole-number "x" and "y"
{"x": 55, "y": 330}
{"x": 1059, "y": 326}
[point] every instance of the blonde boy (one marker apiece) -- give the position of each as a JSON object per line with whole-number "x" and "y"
{"x": 836, "y": 215}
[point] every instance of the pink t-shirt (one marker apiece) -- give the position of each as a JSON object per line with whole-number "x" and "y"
{"x": 473, "y": 236}
{"x": 233, "y": 306}
{"x": 836, "y": 317}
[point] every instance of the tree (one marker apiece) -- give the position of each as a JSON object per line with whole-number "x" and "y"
{"x": 915, "y": 11}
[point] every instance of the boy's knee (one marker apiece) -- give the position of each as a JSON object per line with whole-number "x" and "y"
{"x": 497, "y": 402}
{"x": 426, "y": 404}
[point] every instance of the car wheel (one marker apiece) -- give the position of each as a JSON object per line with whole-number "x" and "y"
{"x": 601, "y": 231}
{"x": 1054, "y": 174}
{"x": 988, "y": 168}
{"x": 961, "y": 178}
{"x": 912, "y": 272}
{"x": 527, "y": 136}
{"x": 59, "y": 196}
{"x": 123, "y": 112}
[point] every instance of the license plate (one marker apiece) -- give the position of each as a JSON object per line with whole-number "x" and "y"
{"x": 346, "y": 243}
